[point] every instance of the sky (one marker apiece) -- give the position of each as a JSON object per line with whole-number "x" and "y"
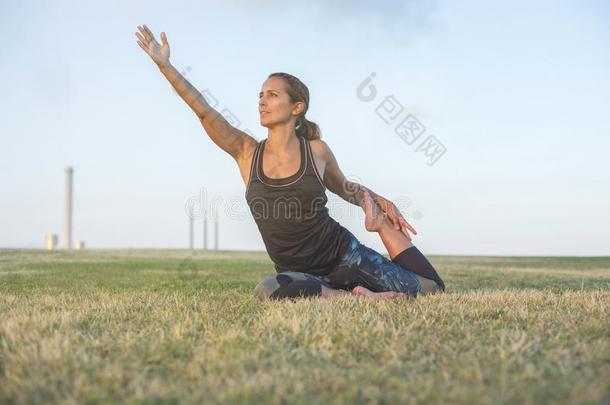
{"x": 513, "y": 97}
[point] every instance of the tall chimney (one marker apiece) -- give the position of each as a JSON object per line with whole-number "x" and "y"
{"x": 68, "y": 208}
{"x": 205, "y": 232}
{"x": 216, "y": 233}
{"x": 191, "y": 230}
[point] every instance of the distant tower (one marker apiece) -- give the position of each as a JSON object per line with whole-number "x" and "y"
{"x": 216, "y": 233}
{"x": 68, "y": 208}
{"x": 205, "y": 232}
{"x": 191, "y": 230}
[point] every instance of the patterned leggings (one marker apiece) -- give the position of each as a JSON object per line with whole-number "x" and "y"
{"x": 358, "y": 265}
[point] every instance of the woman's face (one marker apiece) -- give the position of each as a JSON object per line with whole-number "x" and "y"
{"x": 274, "y": 106}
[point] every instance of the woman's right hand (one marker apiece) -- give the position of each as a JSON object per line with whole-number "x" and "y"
{"x": 159, "y": 53}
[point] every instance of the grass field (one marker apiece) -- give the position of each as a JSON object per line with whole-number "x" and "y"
{"x": 179, "y": 326}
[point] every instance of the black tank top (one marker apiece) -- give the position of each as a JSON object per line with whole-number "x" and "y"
{"x": 292, "y": 216}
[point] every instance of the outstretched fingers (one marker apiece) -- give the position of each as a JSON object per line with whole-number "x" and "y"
{"x": 145, "y": 32}
{"x": 142, "y": 41}
{"x": 143, "y": 35}
{"x": 149, "y": 33}
{"x": 141, "y": 38}
{"x": 144, "y": 48}
{"x": 405, "y": 224}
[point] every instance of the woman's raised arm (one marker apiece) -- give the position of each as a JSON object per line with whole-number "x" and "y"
{"x": 230, "y": 139}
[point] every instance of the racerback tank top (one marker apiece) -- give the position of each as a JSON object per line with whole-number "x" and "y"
{"x": 292, "y": 216}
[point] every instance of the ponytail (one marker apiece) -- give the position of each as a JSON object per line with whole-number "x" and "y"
{"x": 307, "y": 129}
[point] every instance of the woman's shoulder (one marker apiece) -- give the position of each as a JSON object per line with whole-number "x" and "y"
{"x": 321, "y": 155}
{"x": 320, "y": 149}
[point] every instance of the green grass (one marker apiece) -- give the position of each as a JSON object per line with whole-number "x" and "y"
{"x": 173, "y": 326}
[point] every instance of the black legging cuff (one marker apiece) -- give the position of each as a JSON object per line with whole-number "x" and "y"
{"x": 290, "y": 288}
{"x": 413, "y": 260}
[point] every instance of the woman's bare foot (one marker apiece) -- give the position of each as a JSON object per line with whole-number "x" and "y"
{"x": 377, "y": 296}
{"x": 374, "y": 216}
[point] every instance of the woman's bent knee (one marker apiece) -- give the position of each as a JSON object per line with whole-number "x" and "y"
{"x": 288, "y": 285}
{"x": 427, "y": 286}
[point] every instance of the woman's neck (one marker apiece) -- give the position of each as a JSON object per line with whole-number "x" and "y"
{"x": 281, "y": 140}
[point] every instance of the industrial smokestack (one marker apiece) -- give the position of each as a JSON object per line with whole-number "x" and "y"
{"x": 191, "y": 230}
{"x": 205, "y": 232}
{"x": 68, "y": 208}
{"x": 216, "y": 233}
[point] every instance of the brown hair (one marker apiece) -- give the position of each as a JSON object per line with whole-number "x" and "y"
{"x": 299, "y": 92}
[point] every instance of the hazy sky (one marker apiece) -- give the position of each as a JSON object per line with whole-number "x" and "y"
{"x": 518, "y": 94}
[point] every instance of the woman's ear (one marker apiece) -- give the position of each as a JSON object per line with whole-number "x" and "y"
{"x": 299, "y": 107}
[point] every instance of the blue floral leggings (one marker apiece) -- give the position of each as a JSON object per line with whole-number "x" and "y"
{"x": 358, "y": 265}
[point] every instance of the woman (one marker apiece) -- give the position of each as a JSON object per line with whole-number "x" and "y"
{"x": 286, "y": 176}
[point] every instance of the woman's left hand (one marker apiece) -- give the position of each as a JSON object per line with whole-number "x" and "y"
{"x": 395, "y": 217}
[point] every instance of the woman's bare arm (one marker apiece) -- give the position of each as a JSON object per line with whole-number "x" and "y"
{"x": 230, "y": 139}
{"x": 227, "y": 137}
{"x": 353, "y": 192}
{"x": 335, "y": 181}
